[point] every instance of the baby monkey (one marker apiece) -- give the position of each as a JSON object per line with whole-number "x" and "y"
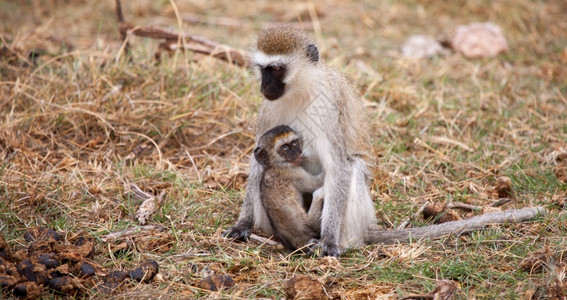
{"x": 296, "y": 224}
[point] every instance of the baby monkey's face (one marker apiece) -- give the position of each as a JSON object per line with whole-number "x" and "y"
{"x": 279, "y": 146}
{"x": 291, "y": 152}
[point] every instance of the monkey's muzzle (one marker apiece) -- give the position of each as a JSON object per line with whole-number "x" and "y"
{"x": 298, "y": 161}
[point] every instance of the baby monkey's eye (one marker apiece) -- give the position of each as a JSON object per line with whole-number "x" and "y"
{"x": 295, "y": 143}
{"x": 284, "y": 148}
{"x": 275, "y": 68}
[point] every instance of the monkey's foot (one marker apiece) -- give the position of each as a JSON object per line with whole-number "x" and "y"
{"x": 330, "y": 249}
{"x": 310, "y": 247}
{"x": 239, "y": 232}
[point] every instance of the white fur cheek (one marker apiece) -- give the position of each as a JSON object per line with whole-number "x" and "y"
{"x": 256, "y": 72}
{"x": 305, "y": 80}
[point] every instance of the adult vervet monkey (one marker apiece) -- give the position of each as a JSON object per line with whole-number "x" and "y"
{"x": 321, "y": 105}
{"x": 318, "y": 103}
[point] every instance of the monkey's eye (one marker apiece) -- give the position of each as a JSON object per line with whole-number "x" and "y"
{"x": 284, "y": 148}
{"x": 295, "y": 144}
{"x": 276, "y": 68}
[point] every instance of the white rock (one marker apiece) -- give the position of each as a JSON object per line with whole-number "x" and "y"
{"x": 420, "y": 46}
{"x": 479, "y": 40}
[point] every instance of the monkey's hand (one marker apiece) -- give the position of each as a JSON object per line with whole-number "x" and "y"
{"x": 239, "y": 232}
{"x": 329, "y": 249}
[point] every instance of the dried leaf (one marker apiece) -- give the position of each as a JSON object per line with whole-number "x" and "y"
{"x": 440, "y": 213}
{"x": 444, "y": 290}
{"x": 536, "y": 260}
{"x": 304, "y": 287}
{"x": 216, "y": 282}
{"x": 561, "y": 173}
{"x": 503, "y": 187}
{"x": 149, "y": 206}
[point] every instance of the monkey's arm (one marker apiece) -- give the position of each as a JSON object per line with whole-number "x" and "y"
{"x": 241, "y": 230}
{"x": 305, "y": 181}
{"x": 377, "y": 236}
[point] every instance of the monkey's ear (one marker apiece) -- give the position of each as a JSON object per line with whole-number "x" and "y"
{"x": 261, "y": 156}
{"x": 312, "y": 53}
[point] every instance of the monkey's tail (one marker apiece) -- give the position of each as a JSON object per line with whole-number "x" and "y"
{"x": 380, "y": 236}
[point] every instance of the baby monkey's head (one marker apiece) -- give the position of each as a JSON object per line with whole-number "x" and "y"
{"x": 279, "y": 146}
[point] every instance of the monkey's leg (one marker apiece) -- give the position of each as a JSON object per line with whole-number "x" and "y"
{"x": 315, "y": 211}
{"x": 337, "y": 183}
{"x": 359, "y": 216}
{"x": 289, "y": 219}
{"x": 252, "y": 212}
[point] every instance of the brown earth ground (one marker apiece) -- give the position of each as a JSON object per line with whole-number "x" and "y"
{"x": 82, "y": 119}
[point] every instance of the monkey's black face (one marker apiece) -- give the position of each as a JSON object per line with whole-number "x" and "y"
{"x": 273, "y": 86}
{"x": 291, "y": 152}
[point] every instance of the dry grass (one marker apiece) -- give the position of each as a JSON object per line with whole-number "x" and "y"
{"x": 444, "y": 129}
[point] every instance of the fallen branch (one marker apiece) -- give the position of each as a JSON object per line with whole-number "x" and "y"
{"x": 174, "y": 40}
{"x": 219, "y": 51}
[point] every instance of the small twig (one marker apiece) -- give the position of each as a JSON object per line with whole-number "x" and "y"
{"x": 128, "y": 232}
{"x": 405, "y": 223}
{"x": 120, "y": 17}
{"x": 195, "y": 167}
{"x": 446, "y": 140}
{"x": 500, "y": 202}
{"x": 263, "y": 240}
{"x": 137, "y": 152}
{"x": 119, "y": 14}
{"x": 138, "y": 193}
{"x": 461, "y": 205}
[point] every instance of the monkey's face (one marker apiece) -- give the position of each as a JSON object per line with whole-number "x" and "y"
{"x": 291, "y": 152}
{"x": 284, "y": 53}
{"x": 279, "y": 146}
{"x": 273, "y": 85}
